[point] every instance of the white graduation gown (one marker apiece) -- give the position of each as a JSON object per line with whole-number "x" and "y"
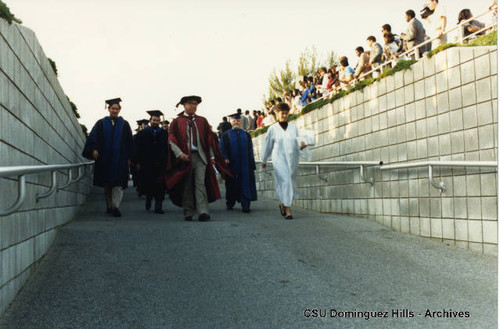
{"x": 285, "y": 156}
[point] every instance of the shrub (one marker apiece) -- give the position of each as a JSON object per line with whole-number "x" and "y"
{"x": 7, "y": 15}
{"x": 53, "y": 64}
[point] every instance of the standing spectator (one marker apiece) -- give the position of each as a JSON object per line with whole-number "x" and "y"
{"x": 375, "y": 52}
{"x": 312, "y": 90}
{"x": 151, "y": 161}
{"x": 323, "y": 87}
{"x": 223, "y": 126}
{"x": 247, "y": 116}
{"x": 305, "y": 93}
{"x": 245, "y": 120}
{"x": 347, "y": 74}
{"x": 470, "y": 27}
{"x": 296, "y": 102}
{"x": 390, "y": 48}
{"x": 237, "y": 149}
{"x": 386, "y": 28}
{"x": 260, "y": 117}
{"x": 494, "y": 14}
{"x": 362, "y": 66}
{"x": 253, "y": 120}
{"x": 110, "y": 145}
{"x": 437, "y": 21}
{"x": 415, "y": 33}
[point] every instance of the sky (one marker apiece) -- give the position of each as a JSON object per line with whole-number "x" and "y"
{"x": 152, "y": 52}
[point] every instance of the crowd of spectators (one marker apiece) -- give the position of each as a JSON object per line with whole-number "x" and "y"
{"x": 342, "y": 76}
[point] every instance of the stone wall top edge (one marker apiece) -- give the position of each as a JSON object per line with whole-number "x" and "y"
{"x": 53, "y": 81}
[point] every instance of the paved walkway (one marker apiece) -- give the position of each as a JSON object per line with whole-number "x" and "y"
{"x": 250, "y": 271}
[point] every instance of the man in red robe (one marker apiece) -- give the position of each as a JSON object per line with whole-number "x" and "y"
{"x": 191, "y": 177}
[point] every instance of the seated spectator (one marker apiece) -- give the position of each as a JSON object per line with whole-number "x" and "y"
{"x": 375, "y": 52}
{"x": 415, "y": 33}
{"x": 437, "y": 22}
{"x": 347, "y": 74}
{"x": 470, "y": 27}
{"x": 362, "y": 66}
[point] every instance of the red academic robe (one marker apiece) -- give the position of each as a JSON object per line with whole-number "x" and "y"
{"x": 177, "y": 170}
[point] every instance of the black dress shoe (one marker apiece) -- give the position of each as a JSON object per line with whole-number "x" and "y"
{"x": 188, "y": 218}
{"x": 204, "y": 217}
{"x": 159, "y": 211}
{"x": 117, "y": 213}
{"x": 229, "y": 208}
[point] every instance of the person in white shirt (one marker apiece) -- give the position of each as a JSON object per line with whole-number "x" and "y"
{"x": 437, "y": 21}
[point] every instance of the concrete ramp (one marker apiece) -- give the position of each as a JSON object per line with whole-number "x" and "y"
{"x": 255, "y": 270}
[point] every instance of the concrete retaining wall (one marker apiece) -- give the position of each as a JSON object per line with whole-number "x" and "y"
{"x": 37, "y": 127}
{"x": 443, "y": 108}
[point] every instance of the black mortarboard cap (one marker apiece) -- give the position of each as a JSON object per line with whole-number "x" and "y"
{"x": 142, "y": 122}
{"x": 113, "y": 101}
{"x": 165, "y": 122}
{"x": 235, "y": 116}
{"x": 186, "y": 99}
{"x": 155, "y": 113}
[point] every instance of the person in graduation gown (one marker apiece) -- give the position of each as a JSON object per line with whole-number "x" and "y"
{"x": 191, "y": 178}
{"x": 281, "y": 145}
{"x": 151, "y": 161}
{"x": 237, "y": 149}
{"x": 110, "y": 145}
{"x": 141, "y": 124}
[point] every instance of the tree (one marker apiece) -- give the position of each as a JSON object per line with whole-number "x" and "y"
{"x": 331, "y": 59}
{"x": 308, "y": 62}
{"x": 280, "y": 82}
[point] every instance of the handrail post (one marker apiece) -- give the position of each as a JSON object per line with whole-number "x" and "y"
{"x": 441, "y": 186}
{"x": 323, "y": 178}
{"x": 21, "y": 193}
{"x": 68, "y": 182}
{"x": 363, "y": 177}
{"x": 51, "y": 189}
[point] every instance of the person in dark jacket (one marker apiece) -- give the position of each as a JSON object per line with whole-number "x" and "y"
{"x": 151, "y": 161}
{"x": 110, "y": 145}
{"x": 223, "y": 126}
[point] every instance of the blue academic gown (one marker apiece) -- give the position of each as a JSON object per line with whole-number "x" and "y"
{"x": 114, "y": 144}
{"x": 236, "y": 145}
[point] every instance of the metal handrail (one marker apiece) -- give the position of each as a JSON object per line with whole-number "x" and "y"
{"x": 343, "y": 164}
{"x": 22, "y": 171}
{"x": 430, "y": 164}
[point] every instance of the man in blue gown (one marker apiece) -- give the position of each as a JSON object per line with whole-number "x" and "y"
{"x": 110, "y": 145}
{"x": 237, "y": 150}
